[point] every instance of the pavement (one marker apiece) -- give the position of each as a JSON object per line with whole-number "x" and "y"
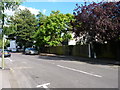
{"x": 6, "y": 77}
{"x": 88, "y": 60}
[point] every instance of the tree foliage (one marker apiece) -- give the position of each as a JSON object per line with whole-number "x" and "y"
{"x": 7, "y": 42}
{"x": 10, "y": 4}
{"x": 23, "y": 26}
{"x": 97, "y": 22}
{"x": 53, "y": 29}
{"x": 7, "y": 5}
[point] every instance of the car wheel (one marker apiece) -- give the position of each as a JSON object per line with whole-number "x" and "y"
{"x": 29, "y": 52}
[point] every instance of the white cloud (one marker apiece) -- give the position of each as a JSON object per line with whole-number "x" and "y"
{"x": 9, "y": 12}
{"x": 44, "y": 11}
{"x": 33, "y": 10}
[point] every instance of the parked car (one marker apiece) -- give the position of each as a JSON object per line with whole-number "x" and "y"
{"x": 20, "y": 50}
{"x": 31, "y": 51}
{"x": 6, "y": 53}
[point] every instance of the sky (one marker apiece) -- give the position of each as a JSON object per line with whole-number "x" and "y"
{"x": 46, "y": 6}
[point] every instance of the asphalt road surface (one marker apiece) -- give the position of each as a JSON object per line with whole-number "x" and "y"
{"x": 33, "y": 71}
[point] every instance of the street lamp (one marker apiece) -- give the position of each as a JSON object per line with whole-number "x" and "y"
{"x": 3, "y": 63}
{"x": 2, "y": 20}
{"x": 3, "y": 42}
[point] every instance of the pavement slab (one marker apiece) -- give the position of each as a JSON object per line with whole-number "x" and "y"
{"x": 5, "y": 77}
{"x": 0, "y": 79}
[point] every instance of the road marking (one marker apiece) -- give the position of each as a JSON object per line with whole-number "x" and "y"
{"x": 9, "y": 59}
{"x": 79, "y": 71}
{"x": 43, "y": 85}
{"x": 11, "y": 70}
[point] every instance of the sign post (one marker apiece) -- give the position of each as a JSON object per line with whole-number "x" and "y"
{"x": 3, "y": 62}
{"x": 3, "y": 21}
{"x": 3, "y": 42}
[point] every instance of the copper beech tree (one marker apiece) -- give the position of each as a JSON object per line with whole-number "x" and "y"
{"x": 97, "y": 22}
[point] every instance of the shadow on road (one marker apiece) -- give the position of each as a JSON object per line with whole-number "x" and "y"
{"x": 80, "y": 59}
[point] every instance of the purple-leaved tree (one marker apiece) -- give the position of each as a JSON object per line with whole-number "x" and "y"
{"x": 97, "y": 22}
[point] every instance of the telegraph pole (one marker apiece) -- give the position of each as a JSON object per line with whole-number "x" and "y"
{"x": 3, "y": 41}
{"x": 3, "y": 61}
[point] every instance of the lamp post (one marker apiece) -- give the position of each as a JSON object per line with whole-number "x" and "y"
{"x": 3, "y": 62}
{"x": 3, "y": 42}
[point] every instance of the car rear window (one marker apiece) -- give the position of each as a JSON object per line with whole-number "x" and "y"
{"x": 30, "y": 49}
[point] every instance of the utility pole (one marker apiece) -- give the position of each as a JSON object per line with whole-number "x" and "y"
{"x": 89, "y": 50}
{"x": 3, "y": 61}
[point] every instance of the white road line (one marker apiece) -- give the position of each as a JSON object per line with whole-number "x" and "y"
{"x": 79, "y": 71}
{"x": 43, "y": 85}
{"x": 9, "y": 59}
{"x": 11, "y": 70}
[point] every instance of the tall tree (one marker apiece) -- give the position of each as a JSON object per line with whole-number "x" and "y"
{"x": 99, "y": 22}
{"x": 54, "y": 29}
{"x": 23, "y": 26}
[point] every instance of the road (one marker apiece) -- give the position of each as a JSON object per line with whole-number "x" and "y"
{"x": 33, "y": 71}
